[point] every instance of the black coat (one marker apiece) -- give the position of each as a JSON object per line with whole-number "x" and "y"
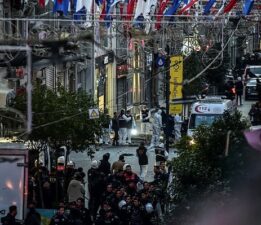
{"x": 239, "y": 87}
{"x": 59, "y": 220}
{"x": 142, "y": 155}
{"x": 32, "y": 218}
{"x": 9, "y": 220}
{"x": 105, "y": 166}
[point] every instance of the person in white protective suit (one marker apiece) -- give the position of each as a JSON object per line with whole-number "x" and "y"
{"x": 156, "y": 129}
{"x": 123, "y": 124}
{"x": 177, "y": 127}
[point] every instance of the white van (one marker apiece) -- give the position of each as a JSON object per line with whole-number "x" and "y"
{"x": 206, "y": 111}
{"x": 252, "y": 71}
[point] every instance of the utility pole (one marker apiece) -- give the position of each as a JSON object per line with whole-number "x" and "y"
{"x": 1, "y": 16}
{"x": 167, "y": 82}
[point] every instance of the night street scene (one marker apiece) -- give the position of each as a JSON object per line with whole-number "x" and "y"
{"x": 130, "y": 112}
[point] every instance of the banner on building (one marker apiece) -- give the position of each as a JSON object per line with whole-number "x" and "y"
{"x": 176, "y": 74}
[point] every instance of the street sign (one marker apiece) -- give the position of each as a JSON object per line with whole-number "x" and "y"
{"x": 93, "y": 113}
{"x": 160, "y": 61}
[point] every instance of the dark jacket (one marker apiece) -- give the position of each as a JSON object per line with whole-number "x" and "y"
{"x": 86, "y": 217}
{"x": 142, "y": 155}
{"x": 9, "y": 220}
{"x": 75, "y": 217}
{"x": 105, "y": 166}
{"x": 59, "y": 220}
{"x": 239, "y": 87}
{"x": 160, "y": 154}
{"x": 115, "y": 123}
{"x": 32, "y": 218}
{"x": 136, "y": 217}
{"x": 95, "y": 182}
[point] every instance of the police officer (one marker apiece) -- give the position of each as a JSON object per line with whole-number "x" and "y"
{"x": 85, "y": 213}
{"x": 60, "y": 218}
{"x": 123, "y": 119}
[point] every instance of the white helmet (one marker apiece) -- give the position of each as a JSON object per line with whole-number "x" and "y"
{"x": 125, "y": 166}
{"x": 94, "y": 164}
{"x": 149, "y": 208}
{"x": 61, "y": 160}
{"x": 122, "y": 203}
{"x": 161, "y": 145}
{"x": 70, "y": 163}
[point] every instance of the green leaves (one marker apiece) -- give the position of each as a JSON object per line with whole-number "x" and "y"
{"x": 62, "y": 118}
{"x": 202, "y": 166}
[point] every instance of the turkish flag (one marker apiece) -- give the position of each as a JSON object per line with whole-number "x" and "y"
{"x": 230, "y": 6}
{"x": 130, "y": 8}
{"x": 162, "y": 7}
{"x": 187, "y": 7}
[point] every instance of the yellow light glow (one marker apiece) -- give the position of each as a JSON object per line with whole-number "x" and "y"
{"x": 9, "y": 185}
{"x": 7, "y": 140}
{"x": 192, "y": 142}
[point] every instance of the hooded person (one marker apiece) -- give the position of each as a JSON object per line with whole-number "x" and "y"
{"x": 75, "y": 189}
{"x": 105, "y": 166}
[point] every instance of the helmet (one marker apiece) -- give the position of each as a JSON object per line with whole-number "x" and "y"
{"x": 70, "y": 163}
{"x": 149, "y": 208}
{"x": 61, "y": 160}
{"x": 94, "y": 164}
{"x": 122, "y": 203}
{"x": 125, "y": 166}
{"x": 161, "y": 145}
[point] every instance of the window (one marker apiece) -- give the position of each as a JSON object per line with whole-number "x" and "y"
{"x": 253, "y": 71}
{"x": 206, "y": 119}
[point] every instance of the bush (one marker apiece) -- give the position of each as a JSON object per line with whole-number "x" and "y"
{"x": 203, "y": 167}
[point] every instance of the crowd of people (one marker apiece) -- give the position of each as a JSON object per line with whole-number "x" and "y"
{"x": 120, "y": 196}
{"x": 116, "y": 194}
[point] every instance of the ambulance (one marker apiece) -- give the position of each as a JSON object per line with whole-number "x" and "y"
{"x": 208, "y": 110}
